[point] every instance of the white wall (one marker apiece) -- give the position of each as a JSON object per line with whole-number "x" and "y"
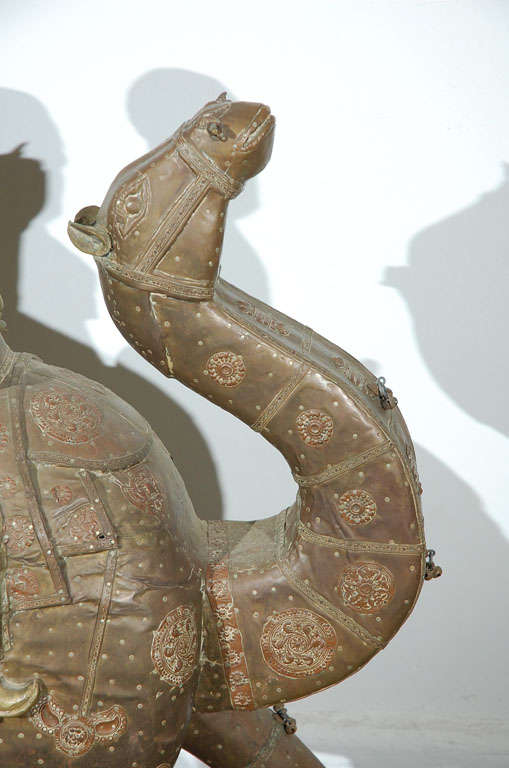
{"x": 382, "y": 221}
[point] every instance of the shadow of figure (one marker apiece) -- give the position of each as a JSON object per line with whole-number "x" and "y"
{"x": 58, "y": 287}
{"x": 455, "y": 285}
{"x": 157, "y": 103}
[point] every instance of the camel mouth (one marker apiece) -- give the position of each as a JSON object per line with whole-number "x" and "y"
{"x": 261, "y": 125}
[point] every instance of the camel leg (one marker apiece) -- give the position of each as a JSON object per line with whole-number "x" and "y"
{"x": 245, "y": 740}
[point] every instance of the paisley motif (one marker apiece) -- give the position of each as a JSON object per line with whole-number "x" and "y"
{"x": 76, "y": 734}
{"x": 20, "y": 534}
{"x": 297, "y": 643}
{"x": 357, "y": 507}
{"x": 315, "y": 427}
{"x": 131, "y": 205}
{"x": 175, "y": 646}
{"x": 227, "y": 368}
{"x": 143, "y": 491}
{"x": 367, "y": 587}
{"x": 65, "y": 416}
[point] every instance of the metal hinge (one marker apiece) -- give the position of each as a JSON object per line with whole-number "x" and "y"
{"x": 288, "y": 723}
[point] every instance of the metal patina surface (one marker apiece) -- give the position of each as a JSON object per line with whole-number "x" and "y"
{"x": 102, "y": 574}
{"x": 167, "y": 613}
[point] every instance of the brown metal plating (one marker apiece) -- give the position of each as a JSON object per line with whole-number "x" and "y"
{"x": 350, "y": 551}
{"x": 270, "y": 610}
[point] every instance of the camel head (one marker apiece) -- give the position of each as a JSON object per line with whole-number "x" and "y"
{"x": 226, "y": 142}
{"x": 236, "y": 135}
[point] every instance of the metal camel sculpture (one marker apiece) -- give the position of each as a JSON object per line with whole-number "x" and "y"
{"x": 165, "y": 613}
{"x": 89, "y": 501}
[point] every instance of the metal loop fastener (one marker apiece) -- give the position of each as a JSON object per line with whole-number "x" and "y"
{"x": 387, "y": 399}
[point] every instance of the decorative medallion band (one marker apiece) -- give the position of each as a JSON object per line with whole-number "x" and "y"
{"x": 336, "y": 470}
{"x": 231, "y": 643}
{"x": 280, "y": 399}
{"x": 351, "y": 545}
{"x": 171, "y": 285}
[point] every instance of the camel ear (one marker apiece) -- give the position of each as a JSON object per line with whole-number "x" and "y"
{"x": 86, "y": 235}
{"x": 87, "y": 215}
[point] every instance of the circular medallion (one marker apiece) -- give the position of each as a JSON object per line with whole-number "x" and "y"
{"x": 74, "y": 737}
{"x": 315, "y": 427}
{"x": 175, "y": 646}
{"x": 66, "y": 416}
{"x": 227, "y": 368}
{"x": 20, "y": 533}
{"x": 357, "y": 507}
{"x": 367, "y": 587}
{"x": 297, "y": 643}
{"x": 62, "y": 494}
{"x": 4, "y": 437}
{"x": 21, "y": 583}
{"x": 8, "y": 486}
{"x": 143, "y": 491}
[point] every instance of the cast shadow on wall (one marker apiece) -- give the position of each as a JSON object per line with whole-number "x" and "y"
{"x": 62, "y": 288}
{"x": 434, "y": 673}
{"x": 455, "y": 286}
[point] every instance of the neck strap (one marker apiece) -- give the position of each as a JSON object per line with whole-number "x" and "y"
{"x": 205, "y": 167}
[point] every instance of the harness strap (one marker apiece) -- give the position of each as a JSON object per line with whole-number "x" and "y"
{"x": 170, "y": 285}
{"x": 204, "y": 166}
{"x": 207, "y": 175}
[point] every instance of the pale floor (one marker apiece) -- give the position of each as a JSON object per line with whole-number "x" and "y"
{"x": 435, "y": 744}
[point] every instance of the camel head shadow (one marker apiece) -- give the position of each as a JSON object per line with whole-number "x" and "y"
{"x": 455, "y": 286}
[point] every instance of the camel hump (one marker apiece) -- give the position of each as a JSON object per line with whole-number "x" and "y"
{"x": 73, "y": 421}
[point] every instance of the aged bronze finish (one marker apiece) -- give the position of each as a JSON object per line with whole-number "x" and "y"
{"x": 127, "y": 609}
{"x": 100, "y": 594}
{"x": 301, "y": 600}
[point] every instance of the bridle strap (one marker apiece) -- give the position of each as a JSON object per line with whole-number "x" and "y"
{"x": 205, "y": 167}
{"x": 207, "y": 175}
{"x": 169, "y": 285}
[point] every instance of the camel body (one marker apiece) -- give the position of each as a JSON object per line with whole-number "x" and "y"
{"x": 102, "y": 573}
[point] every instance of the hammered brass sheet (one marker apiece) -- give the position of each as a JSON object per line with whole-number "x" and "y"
{"x": 288, "y": 613}
{"x": 285, "y": 612}
{"x": 97, "y": 582}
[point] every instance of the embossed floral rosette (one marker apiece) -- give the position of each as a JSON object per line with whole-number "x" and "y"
{"x": 367, "y": 587}
{"x": 227, "y": 368}
{"x": 298, "y": 643}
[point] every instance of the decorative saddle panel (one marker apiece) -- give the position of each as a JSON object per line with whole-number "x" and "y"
{"x": 100, "y": 572}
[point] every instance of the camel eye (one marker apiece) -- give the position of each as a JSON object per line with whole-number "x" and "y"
{"x": 216, "y": 130}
